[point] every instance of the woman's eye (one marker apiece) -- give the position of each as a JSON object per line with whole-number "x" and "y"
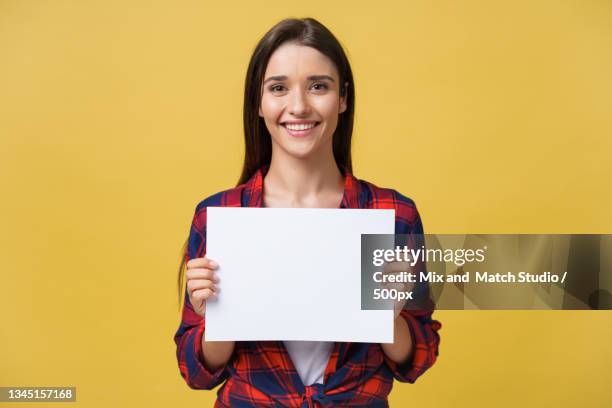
{"x": 319, "y": 87}
{"x": 277, "y": 88}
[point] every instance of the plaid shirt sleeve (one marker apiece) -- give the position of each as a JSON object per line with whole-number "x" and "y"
{"x": 425, "y": 339}
{"x": 423, "y": 329}
{"x": 188, "y": 338}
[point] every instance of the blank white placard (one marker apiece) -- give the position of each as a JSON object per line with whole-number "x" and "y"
{"x": 293, "y": 274}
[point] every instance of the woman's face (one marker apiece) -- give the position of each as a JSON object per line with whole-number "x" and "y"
{"x": 301, "y": 100}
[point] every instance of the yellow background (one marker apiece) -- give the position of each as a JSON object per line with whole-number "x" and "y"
{"x": 118, "y": 117}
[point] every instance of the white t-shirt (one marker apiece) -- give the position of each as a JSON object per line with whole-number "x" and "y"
{"x": 310, "y": 359}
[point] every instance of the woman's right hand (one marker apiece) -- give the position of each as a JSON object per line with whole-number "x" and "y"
{"x": 201, "y": 282}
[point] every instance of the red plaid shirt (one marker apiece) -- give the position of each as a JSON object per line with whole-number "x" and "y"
{"x": 261, "y": 373}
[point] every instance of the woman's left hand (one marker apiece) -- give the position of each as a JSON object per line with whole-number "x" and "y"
{"x": 394, "y": 268}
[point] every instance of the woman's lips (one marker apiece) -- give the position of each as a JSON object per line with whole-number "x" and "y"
{"x": 300, "y": 133}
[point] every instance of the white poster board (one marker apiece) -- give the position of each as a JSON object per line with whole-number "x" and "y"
{"x": 293, "y": 274}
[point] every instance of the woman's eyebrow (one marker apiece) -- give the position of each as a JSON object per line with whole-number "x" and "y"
{"x": 310, "y": 78}
{"x": 320, "y": 77}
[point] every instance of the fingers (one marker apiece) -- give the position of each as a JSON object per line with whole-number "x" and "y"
{"x": 201, "y": 280}
{"x": 202, "y": 263}
{"x": 197, "y": 284}
{"x": 198, "y": 297}
{"x": 396, "y": 268}
{"x": 391, "y": 267}
{"x": 201, "y": 273}
{"x": 201, "y": 283}
{"x": 201, "y": 290}
{"x": 201, "y": 268}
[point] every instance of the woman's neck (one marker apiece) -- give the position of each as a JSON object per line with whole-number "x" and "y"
{"x": 292, "y": 182}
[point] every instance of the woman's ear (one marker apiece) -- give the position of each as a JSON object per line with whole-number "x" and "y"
{"x": 260, "y": 112}
{"x": 343, "y": 98}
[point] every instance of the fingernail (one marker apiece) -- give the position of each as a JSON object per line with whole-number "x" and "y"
{"x": 216, "y": 278}
{"x": 214, "y": 264}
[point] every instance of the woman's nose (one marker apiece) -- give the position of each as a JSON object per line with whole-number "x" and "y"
{"x": 298, "y": 104}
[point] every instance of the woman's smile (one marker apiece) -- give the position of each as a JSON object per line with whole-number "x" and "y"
{"x": 300, "y": 128}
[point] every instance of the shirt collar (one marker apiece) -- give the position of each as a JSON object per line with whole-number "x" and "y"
{"x": 350, "y": 199}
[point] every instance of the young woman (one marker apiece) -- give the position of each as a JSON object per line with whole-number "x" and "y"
{"x": 298, "y": 122}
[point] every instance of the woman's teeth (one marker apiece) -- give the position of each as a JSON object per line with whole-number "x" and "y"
{"x": 303, "y": 126}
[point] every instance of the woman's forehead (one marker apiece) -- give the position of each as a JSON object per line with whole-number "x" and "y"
{"x": 294, "y": 60}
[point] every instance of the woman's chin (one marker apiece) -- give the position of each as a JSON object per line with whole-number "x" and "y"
{"x": 297, "y": 148}
{"x": 300, "y": 152}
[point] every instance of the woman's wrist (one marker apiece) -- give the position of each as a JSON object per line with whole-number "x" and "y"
{"x": 400, "y": 350}
{"x": 216, "y": 354}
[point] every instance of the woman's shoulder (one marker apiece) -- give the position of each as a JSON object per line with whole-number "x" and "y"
{"x": 374, "y": 196}
{"x": 231, "y": 197}
{"x": 383, "y": 196}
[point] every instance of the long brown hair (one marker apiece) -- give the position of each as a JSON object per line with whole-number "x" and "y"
{"x": 258, "y": 143}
